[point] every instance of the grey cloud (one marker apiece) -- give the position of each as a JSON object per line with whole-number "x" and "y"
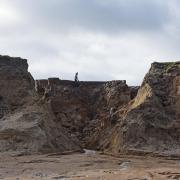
{"x": 102, "y": 39}
{"x": 94, "y": 15}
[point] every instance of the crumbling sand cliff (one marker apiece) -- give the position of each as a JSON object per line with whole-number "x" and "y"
{"x": 58, "y": 115}
{"x": 83, "y": 109}
{"x": 26, "y": 125}
{"x": 150, "y": 122}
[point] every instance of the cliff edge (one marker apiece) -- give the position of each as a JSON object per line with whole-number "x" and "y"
{"x": 26, "y": 124}
{"x": 54, "y": 115}
{"x": 151, "y": 121}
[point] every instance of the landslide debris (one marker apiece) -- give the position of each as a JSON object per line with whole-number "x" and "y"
{"x": 54, "y": 115}
{"x": 26, "y": 124}
{"x": 151, "y": 121}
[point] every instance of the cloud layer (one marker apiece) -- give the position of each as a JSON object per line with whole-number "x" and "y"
{"x": 102, "y": 39}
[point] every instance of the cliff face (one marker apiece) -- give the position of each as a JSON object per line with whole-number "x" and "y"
{"x": 53, "y": 115}
{"x": 26, "y": 124}
{"x": 83, "y": 108}
{"x": 16, "y": 83}
{"x": 151, "y": 121}
{"x": 57, "y": 115}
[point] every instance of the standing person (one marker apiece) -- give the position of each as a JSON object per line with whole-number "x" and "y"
{"x": 76, "y": 80}
{"x": 76, "y": 77}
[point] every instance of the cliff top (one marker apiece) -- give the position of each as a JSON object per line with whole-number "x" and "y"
{"x": 13, "y": 61}
{"x": 165, "y": 65}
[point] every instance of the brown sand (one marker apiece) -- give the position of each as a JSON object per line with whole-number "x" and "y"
{"x": 87, "y": 166}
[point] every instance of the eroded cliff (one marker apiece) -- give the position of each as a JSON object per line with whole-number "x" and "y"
{"x": 151, "y": 121}
{"x": 26, "y": 124}
{"x": 83, "y": 109}
{"x": 58, "y": 115}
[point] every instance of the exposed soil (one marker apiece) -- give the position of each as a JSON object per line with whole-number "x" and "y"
{"x": 54, "y": 115}
{"x": 88, "y": 165}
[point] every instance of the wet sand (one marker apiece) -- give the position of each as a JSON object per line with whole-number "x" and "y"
{"x": 91, "y": 166}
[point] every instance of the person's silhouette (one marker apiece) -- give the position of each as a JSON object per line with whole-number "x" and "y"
{"x": 76, "y": 77}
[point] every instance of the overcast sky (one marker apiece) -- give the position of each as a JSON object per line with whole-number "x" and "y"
{"x": 101, "y": 39}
